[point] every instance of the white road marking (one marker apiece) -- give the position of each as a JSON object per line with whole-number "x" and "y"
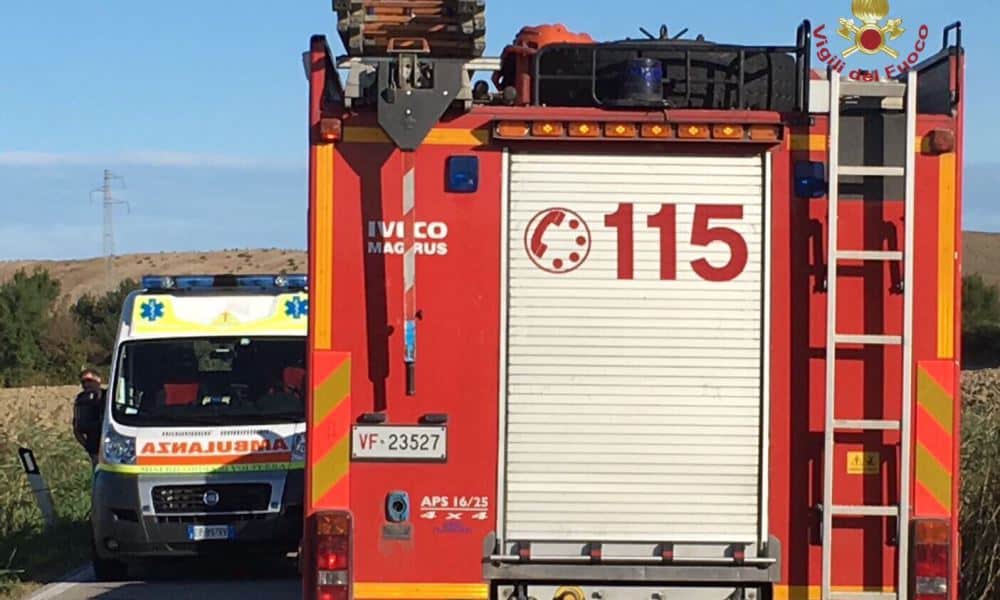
{"x": 80, "y": 575}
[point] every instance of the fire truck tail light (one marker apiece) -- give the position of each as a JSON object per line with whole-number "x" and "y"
{"x": 330, "y": 130}
{"x": 928, "y": 532}
{"x": 931, "y": 559}
{"x": 512, "y": 129}
{"x": 328, "y": 524}
{"x": 332, "y": 554}
{"x": 332, "y": 593}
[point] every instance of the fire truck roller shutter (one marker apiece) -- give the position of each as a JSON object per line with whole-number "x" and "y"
{"x": 634, "y": 372}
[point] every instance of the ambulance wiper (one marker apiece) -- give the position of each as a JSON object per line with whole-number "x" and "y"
{"x": 284, "y": 417}
{"x": 187, "y": 420}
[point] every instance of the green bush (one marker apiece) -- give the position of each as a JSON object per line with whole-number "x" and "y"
{"x": 45, "y": 342}
{"x": 98, "y": 318}
{"x": 26, "y": 306}
{"x": 980, "y": 511}
{"x": 980, "y": 323}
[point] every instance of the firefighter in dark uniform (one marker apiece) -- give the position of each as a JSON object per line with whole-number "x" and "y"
{"x": 88, "y": 413}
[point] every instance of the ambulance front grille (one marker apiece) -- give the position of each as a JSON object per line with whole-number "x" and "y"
{"x": 229, "y": 498}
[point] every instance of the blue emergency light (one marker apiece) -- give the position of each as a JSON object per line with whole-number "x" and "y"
{"x": 810, "y": 179}
{"x": 463, "y": 174}
{"x": 202, "y": 282}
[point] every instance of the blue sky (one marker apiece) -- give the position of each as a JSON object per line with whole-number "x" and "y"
{"x": 201, "y": 106}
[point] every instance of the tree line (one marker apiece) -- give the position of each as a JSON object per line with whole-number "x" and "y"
{"x": 46, "y": 340}
{"x": 980, "y": 323}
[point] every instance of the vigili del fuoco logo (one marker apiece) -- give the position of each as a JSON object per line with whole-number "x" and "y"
{"x": 872, "y": 31}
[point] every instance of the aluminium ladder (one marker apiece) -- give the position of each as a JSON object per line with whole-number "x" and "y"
{"x": 893, "y": 95}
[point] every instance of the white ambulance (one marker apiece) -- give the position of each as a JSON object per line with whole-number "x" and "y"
{"x": 203, "y": 441}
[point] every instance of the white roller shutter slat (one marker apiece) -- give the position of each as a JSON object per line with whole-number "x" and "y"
{"x": 633, "y": 406}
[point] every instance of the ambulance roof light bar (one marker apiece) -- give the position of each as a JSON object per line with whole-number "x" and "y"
{"x": 291, "y": 282}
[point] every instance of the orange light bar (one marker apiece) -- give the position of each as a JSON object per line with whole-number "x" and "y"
{"x": 621, "y": 130}
{"x": 330, "y": 130}
{"x": 584, "y": 130}
{"x": 657, "y": 130}
{"x": 693, "y": 132}
{"x": 547, "y": 129}
{"x": 727, "y": 132}
{"x": 765, "y": 133}
{"x": 513, "y": 129}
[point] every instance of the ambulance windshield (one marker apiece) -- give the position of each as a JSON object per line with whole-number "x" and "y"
{"x": 218, "y": 382}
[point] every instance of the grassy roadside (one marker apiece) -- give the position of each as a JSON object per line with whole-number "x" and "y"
{"x": 981, "y": 500}
{"x": 30, "y": 555}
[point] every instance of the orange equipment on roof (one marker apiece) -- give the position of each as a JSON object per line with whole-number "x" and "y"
{"x": 445, "y": 28}
{"x": 515, "y": 72}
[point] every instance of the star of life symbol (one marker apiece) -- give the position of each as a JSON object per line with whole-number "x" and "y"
{"x": 871, "y": 36}
{"x": 151, "y": 310}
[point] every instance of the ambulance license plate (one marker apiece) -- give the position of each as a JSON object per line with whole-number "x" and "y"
{"x": 399, "y": 443}
{"x": 200, "y": 533}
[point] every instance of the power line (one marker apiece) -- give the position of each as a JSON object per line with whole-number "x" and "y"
{"x": 108, "y": 203}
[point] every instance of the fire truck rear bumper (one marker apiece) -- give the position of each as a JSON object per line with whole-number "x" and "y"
{"x": 763, "y": 570}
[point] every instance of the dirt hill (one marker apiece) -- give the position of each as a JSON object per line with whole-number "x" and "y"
{"x": 981, "y": 255}
{"x": 80, "y": 277}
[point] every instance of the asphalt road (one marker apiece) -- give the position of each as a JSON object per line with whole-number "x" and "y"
{"x": 182, "y": 580}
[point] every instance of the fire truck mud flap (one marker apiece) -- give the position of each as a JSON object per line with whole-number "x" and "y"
{"x": 574, "y": 570}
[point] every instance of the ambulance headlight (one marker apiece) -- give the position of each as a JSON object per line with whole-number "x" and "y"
{"x": 118, "y": 449}
{"x": 297, "y": 443}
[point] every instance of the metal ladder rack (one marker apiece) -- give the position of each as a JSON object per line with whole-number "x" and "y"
{"x": 891, "y": 94}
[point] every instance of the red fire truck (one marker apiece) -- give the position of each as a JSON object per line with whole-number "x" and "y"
{"x": 647, "y": 319}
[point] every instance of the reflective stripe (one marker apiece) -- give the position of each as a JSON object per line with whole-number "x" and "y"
{"x": 321, "y": 278}
{"x": 410, "y": 256}
{"x": 935, "y": 441}
{"x": 329, "y": 430}
{"x": 816, "y": 142}
{"x": 440, "y": 136}
{"x": 813, "y": 592}
{"x": 946, "y": 257}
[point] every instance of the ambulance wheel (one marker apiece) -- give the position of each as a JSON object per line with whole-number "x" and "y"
{"x": 107, "y": 569}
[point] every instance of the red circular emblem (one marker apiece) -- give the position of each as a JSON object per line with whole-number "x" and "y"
{"x": 871, "y": 39}
{"x": 557, "y": 240}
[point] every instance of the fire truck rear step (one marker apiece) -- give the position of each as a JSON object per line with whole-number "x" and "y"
{"x": 863, "y": 596}
{"x": 838, "y": 91}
